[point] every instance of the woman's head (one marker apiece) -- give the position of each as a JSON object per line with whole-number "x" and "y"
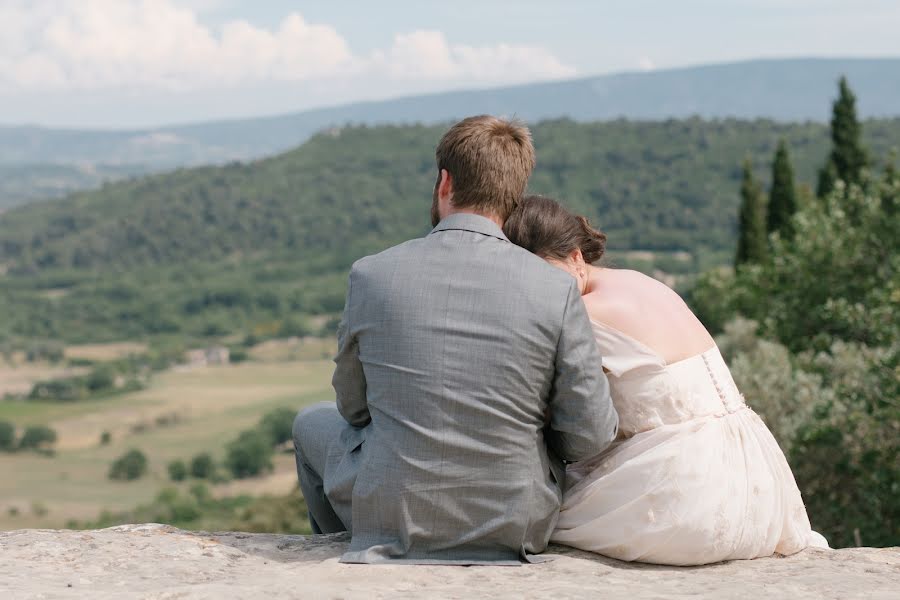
{"x": 542, "y": 226}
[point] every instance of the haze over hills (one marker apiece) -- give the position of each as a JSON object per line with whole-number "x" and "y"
{"x": 782, "y": 90}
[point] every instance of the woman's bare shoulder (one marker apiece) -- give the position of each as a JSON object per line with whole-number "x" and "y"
{"x": 623, "y": 294}
{"x": 648, "y": 311}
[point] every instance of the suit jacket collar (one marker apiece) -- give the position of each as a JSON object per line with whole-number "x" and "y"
{"x": 470, "y": 222}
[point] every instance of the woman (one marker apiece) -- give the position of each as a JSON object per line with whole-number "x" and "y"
{"x": 695, "y": 477}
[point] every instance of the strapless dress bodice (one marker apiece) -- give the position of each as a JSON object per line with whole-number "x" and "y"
{"x": 649, "y": 393}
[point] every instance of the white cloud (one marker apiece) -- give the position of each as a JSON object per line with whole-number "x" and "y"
{"x": 646, "y": 64}
{"x": 156, "y": 44}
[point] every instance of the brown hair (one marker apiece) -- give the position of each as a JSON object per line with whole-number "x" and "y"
{"x": 490, "y": 161}
{"x": 542, "y": 226}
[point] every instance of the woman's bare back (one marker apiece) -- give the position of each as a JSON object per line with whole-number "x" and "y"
{"x": 646, "y": 310}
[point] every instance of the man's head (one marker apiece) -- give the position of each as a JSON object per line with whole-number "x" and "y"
{"x": 483, "y": 167}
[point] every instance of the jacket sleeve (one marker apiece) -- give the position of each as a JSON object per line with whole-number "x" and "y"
{"x": 349, "y": 380}
{"x": 583, "y": 420}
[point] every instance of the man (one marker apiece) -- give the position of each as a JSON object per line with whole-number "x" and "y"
{"x": 466, "y": 373}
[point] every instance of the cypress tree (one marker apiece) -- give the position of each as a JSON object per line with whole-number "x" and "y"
{"x": 782, "y": 197}
{"x": 890, "y": 186}
{"x": 848, "y": 156}
{"x": 752, "y": 240}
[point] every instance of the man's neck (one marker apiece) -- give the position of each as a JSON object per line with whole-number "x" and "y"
{"x": 463, "y": 211}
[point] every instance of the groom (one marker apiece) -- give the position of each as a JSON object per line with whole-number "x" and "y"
{"x": 466, "y": 374}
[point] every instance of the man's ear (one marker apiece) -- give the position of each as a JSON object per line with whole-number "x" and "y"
{"x": 445, "y": 185}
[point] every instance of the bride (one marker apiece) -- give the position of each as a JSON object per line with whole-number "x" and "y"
{"x": 694, "y": 477}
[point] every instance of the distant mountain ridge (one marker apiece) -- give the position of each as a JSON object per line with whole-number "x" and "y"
{"x": 778, "y": 89}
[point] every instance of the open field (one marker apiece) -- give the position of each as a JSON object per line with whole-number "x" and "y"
{"x": 103, "y": 352}
{"x": 209, "y": 407}
{"x": 18, "y": 377}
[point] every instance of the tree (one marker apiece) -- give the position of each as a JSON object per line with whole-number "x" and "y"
{"x": 848, "y": 157}
{"x": 128, "y": 467}
{"x": 278, "y": 425}
{"x": 177, "y": 470}
{"x": 752, "y": 241}
{"x": 890, "y": 187}
{"x": 37, "y": 437}
{"x": 782, "y": 197}
{"x": 250, "y": 454}
{"x": 202, "y": 466}
{"x": 7, "y": 436}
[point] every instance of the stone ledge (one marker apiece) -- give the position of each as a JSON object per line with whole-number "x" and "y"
{"x": 161, "y": 562}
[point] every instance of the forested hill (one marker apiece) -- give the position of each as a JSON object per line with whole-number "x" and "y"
{"x": 666, "y": 186}
{"x": 252, "y": 247}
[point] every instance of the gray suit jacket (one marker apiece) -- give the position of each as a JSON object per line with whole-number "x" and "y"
{"x": 469, "y": 367}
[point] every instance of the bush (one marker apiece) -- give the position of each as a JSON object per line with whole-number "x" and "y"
{"x": 128, "y": 467}
{"x": 250, "y": 454}
{"x": 59, "y": 390}
{"x": 7, "y": 436}
{"x": 202, "y": 466}
{"x": 785, "y": 397}
{"x": 238, "y": 354}
{"x": 294, "y": 327}
{"x": 37, "y": 437}
{"x": 52, "y": 352}
{"x": 177, "y": 470}
{"x": 101, "y": 379}
{"x": 105, "y": 438}
{"x": 200, "y": 492}
{"x": 847, "y": 457}
{"x": 278, "y": 425}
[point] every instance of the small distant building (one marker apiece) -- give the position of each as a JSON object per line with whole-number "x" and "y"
{"x": 214, "y": 355}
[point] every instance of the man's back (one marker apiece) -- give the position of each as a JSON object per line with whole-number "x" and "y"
{"x": 457, "y": 346}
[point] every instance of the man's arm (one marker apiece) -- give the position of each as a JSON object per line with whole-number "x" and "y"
{"x": 583, "y": 420}
{"x": 349, "y": 380}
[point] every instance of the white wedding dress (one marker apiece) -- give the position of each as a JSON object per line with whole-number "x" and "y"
{"x": 694, "y": 477}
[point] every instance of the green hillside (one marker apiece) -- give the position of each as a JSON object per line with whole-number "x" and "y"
{"x": 20, "y": 184}
{"x": 211, "y": 250}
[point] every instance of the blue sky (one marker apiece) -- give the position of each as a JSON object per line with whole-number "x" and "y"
{"x": 127, "y": 63}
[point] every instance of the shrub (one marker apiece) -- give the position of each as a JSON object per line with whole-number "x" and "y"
{"x": 7, "y": 436}
{"x": 238, "y": 354}
{"x": 105, "y": 438}
{"x": 59, "y": 390}
{"x": 847, "y": 457}
{"x": 785, "y": 397}
{"x": 202, "y": 466}
{"x": 278, "y": 425}
{"x": 200, "y": 492}
{"x": 250, "y": 454}
{"x": 177, "y": 470}
{"x": 294, "y": 327}
{"x": 37, "y": 437}
{"x": 101, "y": 379}
{"x": 128, "y": 467}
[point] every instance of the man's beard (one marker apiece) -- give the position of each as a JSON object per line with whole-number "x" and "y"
{"x": 435, "y": 213}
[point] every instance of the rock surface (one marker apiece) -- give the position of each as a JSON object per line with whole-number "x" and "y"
{"x": 161, "y": 562}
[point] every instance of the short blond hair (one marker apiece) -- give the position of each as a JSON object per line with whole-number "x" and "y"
{"x": 490, "y": 160}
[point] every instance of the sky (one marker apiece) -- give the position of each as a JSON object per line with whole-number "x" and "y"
{"x": 141, "y": 63}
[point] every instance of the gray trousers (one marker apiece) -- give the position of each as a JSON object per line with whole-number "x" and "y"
{"x": 327, "y": 450}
